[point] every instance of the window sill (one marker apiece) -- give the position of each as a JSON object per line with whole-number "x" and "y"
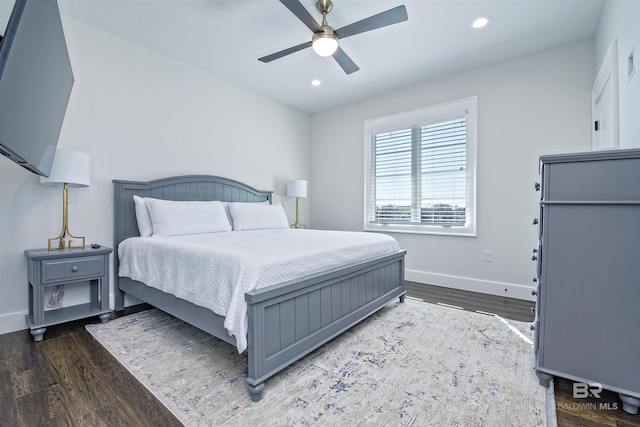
{"x": 422, "y": 229}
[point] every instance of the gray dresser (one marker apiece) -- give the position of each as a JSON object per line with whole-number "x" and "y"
{"x": 587, "y": 324}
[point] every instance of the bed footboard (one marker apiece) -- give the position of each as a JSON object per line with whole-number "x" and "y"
{"x": 290, "y": 320}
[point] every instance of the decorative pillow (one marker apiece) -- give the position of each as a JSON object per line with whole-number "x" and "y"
{"x": 257, "y": 216}
{"x": 142, "y": 217}
{"x": 174, "y": 218}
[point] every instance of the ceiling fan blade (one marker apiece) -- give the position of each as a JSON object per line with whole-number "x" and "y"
{"x": 303, "y": 14}
{"x": 382, "y": 19}
{"x": 345, "y": 62}
{"x": 284, "y": 52}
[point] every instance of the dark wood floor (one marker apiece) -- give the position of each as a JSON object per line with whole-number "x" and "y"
{"x": 70, "y": 380}
{"x": 508, "y": 308}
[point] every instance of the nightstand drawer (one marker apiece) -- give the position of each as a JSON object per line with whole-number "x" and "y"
{"x": 77, "y": 268}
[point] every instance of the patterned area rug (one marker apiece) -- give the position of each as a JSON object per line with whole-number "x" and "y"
{"x": 411, "y": 364}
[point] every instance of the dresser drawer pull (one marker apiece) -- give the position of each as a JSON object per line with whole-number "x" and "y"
{"x": 75, "y": 268}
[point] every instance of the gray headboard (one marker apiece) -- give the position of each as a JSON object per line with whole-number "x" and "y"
{"x": 187, "y": 187}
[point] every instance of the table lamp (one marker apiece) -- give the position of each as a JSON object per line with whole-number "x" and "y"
{"x": 297, "y": 188}
{"x": 69, "y": 169}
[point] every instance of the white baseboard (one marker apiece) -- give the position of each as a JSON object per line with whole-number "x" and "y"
{"x": 474, "y": 285}
{"x": 128, "y": 301}
{"x": 12, "y": 322}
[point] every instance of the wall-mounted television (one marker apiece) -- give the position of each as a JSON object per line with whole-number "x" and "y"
{"x": 35, "y": 84}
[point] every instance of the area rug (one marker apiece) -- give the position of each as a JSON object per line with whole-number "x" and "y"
{"x": 410, "y": 364}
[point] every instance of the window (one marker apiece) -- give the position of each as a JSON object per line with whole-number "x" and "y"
{"x": 420, "y": 170}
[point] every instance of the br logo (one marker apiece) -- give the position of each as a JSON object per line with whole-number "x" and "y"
{"x": 584, "y": 390}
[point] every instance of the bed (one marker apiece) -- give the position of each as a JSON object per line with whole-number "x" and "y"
{"x": 285, "y": 320}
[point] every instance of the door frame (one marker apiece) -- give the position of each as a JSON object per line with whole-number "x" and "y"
{"x": 608, "y": 73}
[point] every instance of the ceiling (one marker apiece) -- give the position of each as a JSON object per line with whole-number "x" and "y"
{"x": 226, "y": 38}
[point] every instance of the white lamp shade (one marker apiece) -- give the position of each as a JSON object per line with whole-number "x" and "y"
{"x": 70, "y": 167}
{"x": 297, "y": 188}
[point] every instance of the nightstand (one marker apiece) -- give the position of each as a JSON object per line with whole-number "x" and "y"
{"x": 66, "y": 266}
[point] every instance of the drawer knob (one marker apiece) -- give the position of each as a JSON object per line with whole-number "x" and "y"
{"x": 533, "y": 328}
{"x": 537, "y": 186}
{"x": 534, "y": 293}
{"x": 534, "y": 258}
{"x": 535, "y": 221}
{"x": 74, "y": 268}
{"x": 535, "y": 280}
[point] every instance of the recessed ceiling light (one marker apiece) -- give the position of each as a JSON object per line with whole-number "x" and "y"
{"x": 315, "y": 82}
{"x": 481, "y": 22}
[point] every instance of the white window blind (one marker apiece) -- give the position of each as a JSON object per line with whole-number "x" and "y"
{"x": 419, "y": 174}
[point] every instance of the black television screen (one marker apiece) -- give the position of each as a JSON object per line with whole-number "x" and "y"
{"x": 35, "y": 84}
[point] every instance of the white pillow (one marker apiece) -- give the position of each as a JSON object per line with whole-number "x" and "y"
{"x": 226, "y": 207}
{"x": 174, "y": 218}
{"x": 257, "y": 216}
{"x": 142, "y": 217}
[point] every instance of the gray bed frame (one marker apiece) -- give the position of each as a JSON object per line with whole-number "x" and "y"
{"x": 285, "y": 321}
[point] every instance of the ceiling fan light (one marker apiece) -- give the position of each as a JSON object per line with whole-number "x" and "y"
{"x": 480, "y": 22}
{"x": 325, "y": 44}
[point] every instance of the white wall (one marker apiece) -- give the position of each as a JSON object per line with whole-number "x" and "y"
{"x": 534, "y": 105}
{"x": 621, "y": 21}
{"x": 140, "y": 115}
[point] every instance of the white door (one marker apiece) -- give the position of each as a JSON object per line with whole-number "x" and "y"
{"x": 603, "y": 119}
{"x": 604, "y": 98}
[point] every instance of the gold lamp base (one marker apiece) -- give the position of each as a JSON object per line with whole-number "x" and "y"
{"x": 297, "y": 223}
{"x": 65, "y": 238}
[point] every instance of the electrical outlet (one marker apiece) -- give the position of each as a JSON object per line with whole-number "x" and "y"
{"x": 487, "y": 256}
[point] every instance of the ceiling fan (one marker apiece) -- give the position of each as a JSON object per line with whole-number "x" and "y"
{"x": 325, "y": 38}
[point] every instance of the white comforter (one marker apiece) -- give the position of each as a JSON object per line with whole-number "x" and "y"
{"x": 215, "y": 270}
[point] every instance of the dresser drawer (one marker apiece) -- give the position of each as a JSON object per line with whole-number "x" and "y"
{"x": 589, "y": 181}
{"x": 72, "y": 269}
